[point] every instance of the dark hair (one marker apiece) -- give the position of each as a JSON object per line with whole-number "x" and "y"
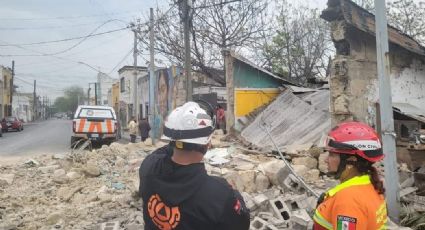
{"x": 190, "y": 147}
{"x": 366, "y": 167}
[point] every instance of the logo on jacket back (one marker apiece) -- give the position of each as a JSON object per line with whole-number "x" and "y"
{"x": 164, "y": 217}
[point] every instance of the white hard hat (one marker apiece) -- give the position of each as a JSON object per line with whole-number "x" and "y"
{"x": 188, "y": 123}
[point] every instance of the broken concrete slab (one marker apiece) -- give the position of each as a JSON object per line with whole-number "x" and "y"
{"x": 8, "y": 178}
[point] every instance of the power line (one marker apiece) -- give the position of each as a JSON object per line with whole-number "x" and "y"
{"x": 68, "y": 17}
{"x": 47, "y": 27}
{"x": 122, "y": 60}
{"x": 66, "y": 39}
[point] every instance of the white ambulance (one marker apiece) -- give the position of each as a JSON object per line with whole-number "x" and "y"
{"x": 97, "y": 123}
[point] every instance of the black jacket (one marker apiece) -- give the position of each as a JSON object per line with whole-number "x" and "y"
{"x": 144, "y": 128}
{"x": 185, "y": 197}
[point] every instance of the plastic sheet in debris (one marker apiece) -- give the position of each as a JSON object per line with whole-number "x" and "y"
{"x": 217, "y": 156}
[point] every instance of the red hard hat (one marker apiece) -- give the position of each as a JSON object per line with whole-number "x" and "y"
{"x": 355, "y": 138}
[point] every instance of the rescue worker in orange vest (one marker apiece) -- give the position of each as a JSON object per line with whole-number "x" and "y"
{"x": 358, "y": 201}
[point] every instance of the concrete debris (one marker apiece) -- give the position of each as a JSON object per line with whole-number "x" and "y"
{"x": 309, "y": 162}
{"x": 100, "y": 190}
{"x": 7, "y": 178}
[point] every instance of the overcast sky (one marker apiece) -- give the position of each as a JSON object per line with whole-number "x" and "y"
{"x": 25, "y": 21}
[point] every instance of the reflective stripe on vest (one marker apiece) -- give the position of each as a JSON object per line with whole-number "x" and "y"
{"x": 358, "y": 180}
{"x": 318, "y": 218}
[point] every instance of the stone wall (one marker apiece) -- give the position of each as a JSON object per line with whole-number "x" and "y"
{"x": 353, "y": 79}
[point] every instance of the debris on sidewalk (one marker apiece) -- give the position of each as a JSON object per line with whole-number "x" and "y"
{"x": 101, "y": 189}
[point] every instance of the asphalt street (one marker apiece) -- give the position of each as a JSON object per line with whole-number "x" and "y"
{"x": 44, "y": 137}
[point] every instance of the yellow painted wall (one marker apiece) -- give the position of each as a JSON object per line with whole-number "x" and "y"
{"x": 247, "y": 101}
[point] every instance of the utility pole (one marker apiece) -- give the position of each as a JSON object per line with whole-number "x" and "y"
{"x": 34, "y": 106}
{"x": 187, "y": 21}
{"x": 95, "y": 93}
{"x": 385, "y": 106}
{"x": 88, "y": 95}
{"x": 152, "y": 79}
{"x": 11, "y": 87}
{"x": 135, "y": 51}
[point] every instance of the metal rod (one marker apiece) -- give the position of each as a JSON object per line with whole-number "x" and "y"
{"x": 289, "y": 165}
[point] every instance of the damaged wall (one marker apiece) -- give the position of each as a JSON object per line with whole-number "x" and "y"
{"x": 353, "y": 78}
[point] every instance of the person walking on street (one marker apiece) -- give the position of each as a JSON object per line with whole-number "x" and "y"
{"x": 221, "y": 119}
{"x": 176, "y": 190}
{"x": 144, "y": 129}
{"x": 132, "y": 128}
{"x": 358, "y": 201}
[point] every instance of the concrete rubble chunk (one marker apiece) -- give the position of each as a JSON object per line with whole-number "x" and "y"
{"x": 293, "y": 184}
{"x": 110, "y": 226}
{"x": 8, "y": 178}
{"x": 249, "y": 202}
{"x": 309, "y": 162}
{"x": 300, "y": 220}
{"x": 272, "y": 169}
{"x": 260, "y": 224}
{"x": 73, "y": 175}
{"x": 91, "y": 170}
{"x": 262, "y": 182}
{"x": 66, "y": 193}
{"x": 301, "y": 170}
{"x": 54, "y": 218}
{"x": 48, "y": 169}
{"x": 260, "y": 199}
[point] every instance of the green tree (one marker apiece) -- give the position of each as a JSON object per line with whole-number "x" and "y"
{"x": 408, "y": 17}
{"x": 300, "y": 49}
{"x": 69, "y": 102}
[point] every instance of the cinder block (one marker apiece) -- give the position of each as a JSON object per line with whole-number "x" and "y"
{"x": 260, "y": 199}
{"x": 297, "y": 202}
{"x": 260, "y": 224}
{"x": 300, "y": 220}
{"x": 280, "y": 209}
{"x": 110, "y": 225}
{"x": 293, "y": 184}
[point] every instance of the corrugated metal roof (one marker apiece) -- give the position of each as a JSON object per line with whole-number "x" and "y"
{"x": 410, "y": 111}
{"x": 290, "y": 120}
{"x": 246, "y": 61}
{"x": 365, "y": 21}
{"x": 320, "y": 99}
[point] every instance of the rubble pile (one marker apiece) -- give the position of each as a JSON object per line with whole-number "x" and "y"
{"x": 79, "y": 191}
{"x": 99, "y": 189}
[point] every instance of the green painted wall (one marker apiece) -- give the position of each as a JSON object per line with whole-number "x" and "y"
{"x": 247, "y": 77}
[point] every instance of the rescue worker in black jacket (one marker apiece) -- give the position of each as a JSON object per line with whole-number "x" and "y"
{"x": 176, "y": 190}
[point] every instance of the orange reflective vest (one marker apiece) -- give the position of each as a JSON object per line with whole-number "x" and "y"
{"x": 353, "y": 204}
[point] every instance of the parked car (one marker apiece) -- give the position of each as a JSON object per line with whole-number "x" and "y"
{"x": 1, "y": 130}
{"x": 12, "y": 123}
{"x": 97, "y": 123}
